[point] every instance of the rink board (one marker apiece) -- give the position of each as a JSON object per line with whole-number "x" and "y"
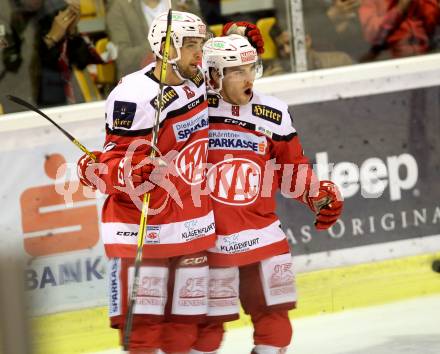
{"x": 383, "y": 152}
{"x": 323, "y": 291}
{"x": 358, "y": 263}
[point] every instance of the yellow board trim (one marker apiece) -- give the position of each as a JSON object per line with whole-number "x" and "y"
{"x": 322, "y": 291}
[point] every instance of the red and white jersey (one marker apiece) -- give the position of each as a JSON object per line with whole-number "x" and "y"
{"x": 251, "y": 148}
{"x": 176, "y": 224}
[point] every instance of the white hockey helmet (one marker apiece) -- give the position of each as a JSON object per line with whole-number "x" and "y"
{"x": 183, "y": 24}
{"x": 229, "y": 51}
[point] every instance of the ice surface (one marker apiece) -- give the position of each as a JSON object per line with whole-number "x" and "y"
{"x": 404, "y": 327}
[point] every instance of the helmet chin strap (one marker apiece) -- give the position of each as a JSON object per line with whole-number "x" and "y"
{"x": 219, "y": 89}
{"x": 177, "y": 71}
{"x": 173, "y": 62}
{"x": 219, "y": 93}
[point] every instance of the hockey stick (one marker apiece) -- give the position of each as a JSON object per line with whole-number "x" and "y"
{"x": 69, "y": 136}
{"x": 146, "y": 198}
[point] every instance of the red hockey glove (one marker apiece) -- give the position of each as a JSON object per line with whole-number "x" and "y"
{"x": 84, "y": 163}
{"x": 140, "y": 169}
{"x": 327, "y": 205}
{"x": 247, "y": 29}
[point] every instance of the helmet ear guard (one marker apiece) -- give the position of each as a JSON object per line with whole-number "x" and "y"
{"x": 259, "y": 69}
{"x": 211, "y": 82}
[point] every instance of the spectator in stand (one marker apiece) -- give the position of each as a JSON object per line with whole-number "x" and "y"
{"x": 59, "y": 48}
{"x": 330, "y": 34}
{"x": 128, "y": 22}
{"x": 335, "y": 26}
{"x": 435, "y": 39}
{"x": 399, "y": 28}
{"x": 211, "y": 12}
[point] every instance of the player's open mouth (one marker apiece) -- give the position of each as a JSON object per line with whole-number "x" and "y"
{"x": 248, "y": 92}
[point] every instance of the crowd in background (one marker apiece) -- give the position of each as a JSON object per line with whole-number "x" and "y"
{"x": 56, "y": 52}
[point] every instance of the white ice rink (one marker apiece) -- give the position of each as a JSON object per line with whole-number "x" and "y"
{"x": 406, "y": 327}
{"x": 411, "y": 326}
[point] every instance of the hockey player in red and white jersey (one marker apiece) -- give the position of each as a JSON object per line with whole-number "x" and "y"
{"x": 174, "y": 274}
{"x": 254, "y": 150}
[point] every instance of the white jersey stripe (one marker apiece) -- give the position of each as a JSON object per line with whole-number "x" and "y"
{"x": 173, "y": 233}
{"x": 248, "y": 240}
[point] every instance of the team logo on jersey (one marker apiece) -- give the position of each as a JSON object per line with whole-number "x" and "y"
{"x": 191, "y": 162}
{"x": 123, "y": 114}
{"x": 248, "y": 56}
{"x": 198, "y": 79}
{"x": 183, "y": 130}
{"x": 169, "y": 96}
{"x": 213, "y": 101}
{"x": 152, "y": 234}
{"x": 234, "y": 140}
{"x": 234, "y": 181}
{"x": 268, "y": 113}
